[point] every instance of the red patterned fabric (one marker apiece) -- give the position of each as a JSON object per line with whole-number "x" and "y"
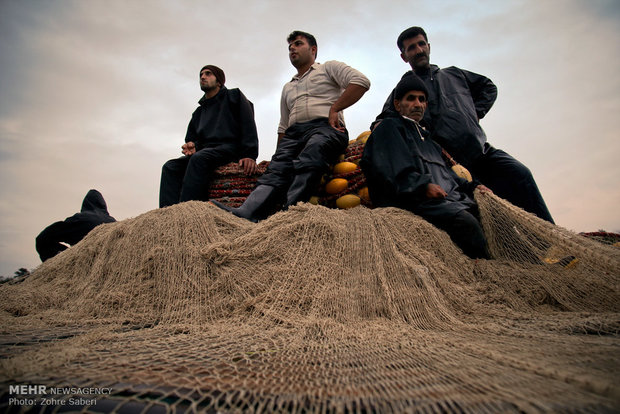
{"x": 231, "y": 186}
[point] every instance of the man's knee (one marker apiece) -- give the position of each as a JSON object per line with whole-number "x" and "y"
{"x": 321, "y": 150}
{"x": 172, "y": 166}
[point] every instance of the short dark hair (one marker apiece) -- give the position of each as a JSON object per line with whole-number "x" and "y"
{"x": 311, "y": 40}
{"x": 408, "y": 34}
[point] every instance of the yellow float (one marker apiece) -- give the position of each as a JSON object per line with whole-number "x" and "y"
{"x": 363, "y": 194}
{"x": 348, "y": 201}
{"x": 363, "y": 137}
{"x": 344, "y": 167}
{"x": 462, "y": 172}
{"x": 336, "y": 185}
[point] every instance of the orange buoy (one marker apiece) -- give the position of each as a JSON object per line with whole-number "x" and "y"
{"x": 363, "y": 194}
{"x": 336, "y": 185}
{"x": 344, "y": 167}
{"x": 363, "y": 137}
{"x": 462, "y": 172}
{"x": 348, "y": 201}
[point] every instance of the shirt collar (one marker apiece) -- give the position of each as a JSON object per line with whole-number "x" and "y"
{"x": 314, "y": 66}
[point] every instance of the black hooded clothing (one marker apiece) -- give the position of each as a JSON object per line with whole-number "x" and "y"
{"x": 225, "y": 120}
{"x": 73, "y": 229}
{"x": 223, "y": 130}
{"x": 457, "y": 100}
{"x": 399, "y": 161}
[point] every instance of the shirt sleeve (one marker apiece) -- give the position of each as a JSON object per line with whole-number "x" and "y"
{"x": 284, "y": 112}
{"x": 344, "y": 74}
{"x": 249, "y": 135}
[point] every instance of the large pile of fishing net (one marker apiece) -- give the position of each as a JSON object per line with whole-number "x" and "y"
{"x": 319, "y": 310}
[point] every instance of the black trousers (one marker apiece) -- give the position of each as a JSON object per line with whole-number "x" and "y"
{"x": 188, "y": 178}
{"x": 465, "y": 231}
{"x": 305, "y": 147}
{"x": 510, "y": 180}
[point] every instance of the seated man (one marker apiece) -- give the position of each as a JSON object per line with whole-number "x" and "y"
{"x": 458, "y": 100}
{"x": 311, "y": 133}
{"x": 404, "y": 168}
{"x": 73, "y": 229}
{"x": 222, "y": 130}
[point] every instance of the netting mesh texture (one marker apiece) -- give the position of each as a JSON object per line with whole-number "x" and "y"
{"x": 189, "y": 308}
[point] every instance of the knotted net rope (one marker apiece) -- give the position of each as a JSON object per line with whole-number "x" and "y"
{"x": 190, "y": 308}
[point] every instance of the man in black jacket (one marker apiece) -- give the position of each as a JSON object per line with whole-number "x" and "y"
{"x": 73, "y": 229}
{"x": 222, "y": 130}
{"x": 458, "y": 99}
{"x": 406, "y": 169}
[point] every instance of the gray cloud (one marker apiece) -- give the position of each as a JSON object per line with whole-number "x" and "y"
{"x": 97, "y": 94}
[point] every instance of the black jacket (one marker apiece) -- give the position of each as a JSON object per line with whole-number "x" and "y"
{"x": 227, "y": 119}
{"x": 458, "y": 99}
{"x": 94, "y": 212}
{"x": 400, "y": 160}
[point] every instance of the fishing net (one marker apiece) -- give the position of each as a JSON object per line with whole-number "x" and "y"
{"x": 191, "y": 309}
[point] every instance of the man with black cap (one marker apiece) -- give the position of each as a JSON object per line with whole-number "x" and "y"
{"x": 404, "y": 168}
{"x": 221, "y": 130}
{"x": 458, "y": 99}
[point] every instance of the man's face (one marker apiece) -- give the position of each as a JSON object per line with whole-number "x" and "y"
{"x": 300, "y": 52}
{"x": 417, "y": 52}
{"x": 208, "y": 82}
{"x": 412, "y": 105}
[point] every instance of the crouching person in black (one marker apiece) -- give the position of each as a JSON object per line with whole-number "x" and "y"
{"x": 73, "y": 229}
{"x": 405, "y": 169}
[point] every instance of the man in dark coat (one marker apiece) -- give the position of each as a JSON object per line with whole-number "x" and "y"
{"x": 458, "y": 99}
{"x": 405, "y": 169}
{"x": 73, "y": 229}
{"x": 222, "y": 130}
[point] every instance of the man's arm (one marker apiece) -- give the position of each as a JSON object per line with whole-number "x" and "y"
{"x": 249, "y": 136}
{"x": 191, "y": 136}
{"x": 355, "y": 85}
{"x": 483, "y": 92}
{"x": 284, "y": 114}
{"x": 351, "y": 95}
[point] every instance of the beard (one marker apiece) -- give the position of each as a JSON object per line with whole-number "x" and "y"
{"x": 208, "y": 88}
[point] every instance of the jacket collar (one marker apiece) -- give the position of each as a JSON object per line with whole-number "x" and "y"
{"x": 217, "y": 96}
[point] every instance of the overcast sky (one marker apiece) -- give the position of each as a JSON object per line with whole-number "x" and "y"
{"x": 98, "y": 93}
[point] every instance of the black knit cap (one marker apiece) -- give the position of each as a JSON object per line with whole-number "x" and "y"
{"x": 219, "y": 73}
{"x": 411, "y": 82}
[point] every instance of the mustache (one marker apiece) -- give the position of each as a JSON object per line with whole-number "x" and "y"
{"x": 421, "y": 54}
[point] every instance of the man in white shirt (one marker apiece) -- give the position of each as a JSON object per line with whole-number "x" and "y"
{"x": 311, "y": 133}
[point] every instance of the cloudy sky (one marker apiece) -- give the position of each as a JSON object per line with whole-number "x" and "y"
{"x": 98, "y": 93}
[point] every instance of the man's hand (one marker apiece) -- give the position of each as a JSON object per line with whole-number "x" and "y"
{"x": 334, "y": 121}
{"x": 249, "y": 166}
{"x": 484, "y": 189}
{"x": 351, "y": 94}
{"x": 188, "y": 148}
{"x": 435, "y": 191}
